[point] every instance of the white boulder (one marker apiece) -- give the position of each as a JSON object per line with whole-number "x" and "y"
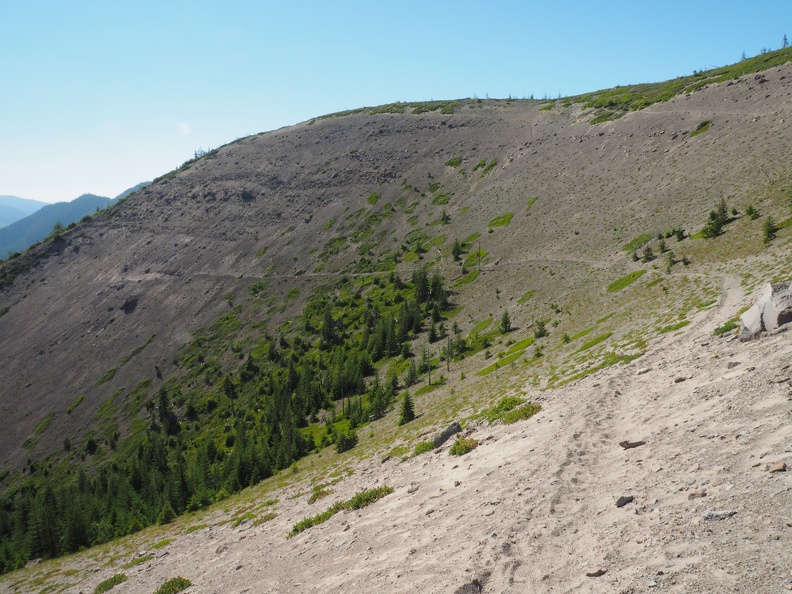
{"x": 771, "y": 310}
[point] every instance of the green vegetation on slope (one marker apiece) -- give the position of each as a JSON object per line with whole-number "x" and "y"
{"x": 237, "y": 412}
{"x": 613, "y": 102}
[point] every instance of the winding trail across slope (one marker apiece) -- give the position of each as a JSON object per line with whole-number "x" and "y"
{"x": 533, "y": 508}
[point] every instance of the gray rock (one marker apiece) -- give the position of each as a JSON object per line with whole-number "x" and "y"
{"x": 446, "y": 433}
{"x": 624, "y": 500}
{"x": 751, "y": 323}
{"x": 718, "y": 515}
{"x": 778, "y": 310}
{"x": 772, "y": 309}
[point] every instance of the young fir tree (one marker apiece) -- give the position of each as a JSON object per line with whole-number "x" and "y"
{"x": 456, "y": 250}
{"x": 407, "y": 410}
{"x": 412, "y": 374}
{"x": 769, "y": 229}
{"x": 505, "y": 323}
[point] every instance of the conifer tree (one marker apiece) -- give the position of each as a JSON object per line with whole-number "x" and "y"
{"x": 769, "y": 229}
{"x": 456, "y": 250}
{"x": 412, "y": 374}
{"x": 505, "y": 323}
{"x": 407, "y": 410}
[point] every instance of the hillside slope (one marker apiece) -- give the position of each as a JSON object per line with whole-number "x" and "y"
{"x": 533, "y": 508}
{"x": 193, "y": 237}
{"x": 37, "y": 224}
{"x": 195, "y": 277}
{"x": 24, "y": 232}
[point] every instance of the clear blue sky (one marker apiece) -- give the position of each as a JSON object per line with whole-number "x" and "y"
{"x": 97, "y": 96}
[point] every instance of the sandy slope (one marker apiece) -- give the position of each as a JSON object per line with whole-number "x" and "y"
{"x": 533, "y": 508}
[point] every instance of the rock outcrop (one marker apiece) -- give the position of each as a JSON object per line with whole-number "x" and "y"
{"x": 771, "y": 310}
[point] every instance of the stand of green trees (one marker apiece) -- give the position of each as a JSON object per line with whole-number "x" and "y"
{"x": 217, "y": 428}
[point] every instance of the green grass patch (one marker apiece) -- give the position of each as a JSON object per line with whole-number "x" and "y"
{"x": 701, "y": 128}
{"x": 427, "y": 389}
{"x": 520, "y": 345}
{"x": 594, "y": 341}
{"x": 489, "y": 167}
{"x": 237, "y": 520}
{"x": 526, "y": 296}
{"x": 454, "y": 162}
{"x": 727, "y": 327}
{"x": 625, "y": 281}
{"x": 257, "y": 288}
{"x": 162, "y": 543}
{"x": 108, "y": 375}
{"x": 319, "y": 492}
{"x": 467, "y": 279}
{"x": 174, "y": 585}
{"x": 43, "y": 424}
{"x": 781, "y": 225}
{"x": 261, "y": 252}
{"x": 635, "y": 97}
{"x": 605, "y": 115}
{"x": 609, "y": 360}
{"x": 136, "y": 351}
{"x": 654, "y": 282}
{"x": 673, "y": 327}
{"x": 435, "y": 242}
{"x": 521, "y": 413}
{"x": 496, "y": 412}
{"x": 358, "y": 501}
{"x": 463, "y": 446}
{"x": 137, "y": 561}
{"x": 373, "y": 198}
{"x": 110, "y": 583}
{"x": 547, "y": 106}
{"x": 264, "y": 518}
{"x": 501, "y": 221}
{"x": 468, "y": 243}
{"x": 423, "y": 447}
{"x": 638, "y": 242}
{"x": 472, "y": 259}
{"x": 582, "y": 333}
{"x": 441, "y": 199}
{"x": 194, "y": 528}
{"x": 480, "y": 327}
{"x": 530, "y": 203}
{"x": 499, "y": 363}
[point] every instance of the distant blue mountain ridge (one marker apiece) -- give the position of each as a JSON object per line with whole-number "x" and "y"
{"x": 14, "y": 208}
{"x": 35, "y": 226}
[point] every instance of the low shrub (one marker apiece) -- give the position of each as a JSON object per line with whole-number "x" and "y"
{"x": 174, "y": 585}
{"x": 727, "y": 327}
{"x": 358, "y": 501}
{"x": 423, "y": 447}
{"x": 110, "y": 583}
{"x": 463, "y": 446}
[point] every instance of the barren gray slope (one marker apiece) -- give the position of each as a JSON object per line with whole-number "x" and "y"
{"x": 175, "y": 249}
